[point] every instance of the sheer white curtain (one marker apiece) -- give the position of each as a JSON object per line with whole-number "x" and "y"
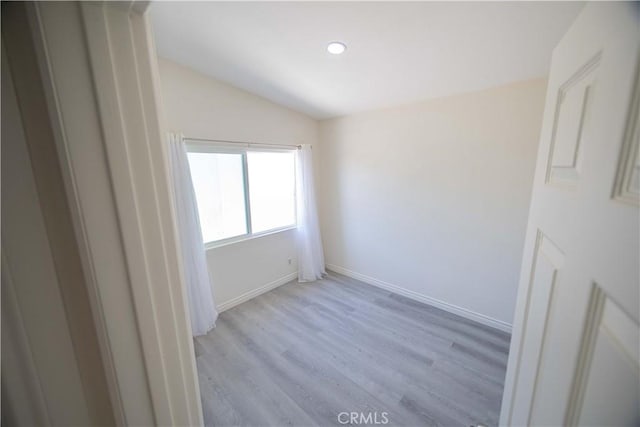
{"x": 201, "y": 306}
{"x": 310, "y": 254}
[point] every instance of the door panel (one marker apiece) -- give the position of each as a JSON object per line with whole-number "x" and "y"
{"x": 571, "y": 121}
{"x": 574, "y": 352}
{"x": 628, "y": 179}
{"x": 608, "y": 366}
{"x": 548, "y": 261}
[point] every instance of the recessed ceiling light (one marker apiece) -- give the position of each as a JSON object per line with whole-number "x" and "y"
{"x": 336, "y": 48}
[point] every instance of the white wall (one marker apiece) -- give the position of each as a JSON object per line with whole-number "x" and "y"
{"x": 433, "y": 197}
{"x": 202, "y": 107}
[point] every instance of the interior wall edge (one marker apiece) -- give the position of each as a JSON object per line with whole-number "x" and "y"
{"x": 416, "y": 296}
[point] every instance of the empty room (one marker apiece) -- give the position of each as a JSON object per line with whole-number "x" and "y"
{"x": 321, "y": 213}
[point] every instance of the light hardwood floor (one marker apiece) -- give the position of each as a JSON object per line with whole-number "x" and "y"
{"x": 303, "y": 353}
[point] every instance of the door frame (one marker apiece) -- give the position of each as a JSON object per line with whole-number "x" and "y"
{"x": 98, "y": 66}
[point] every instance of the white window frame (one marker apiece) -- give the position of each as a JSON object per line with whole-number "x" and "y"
{"x": 197, "y": 147}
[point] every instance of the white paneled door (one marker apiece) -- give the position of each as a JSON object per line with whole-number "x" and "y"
{"x": 574, "y": 352}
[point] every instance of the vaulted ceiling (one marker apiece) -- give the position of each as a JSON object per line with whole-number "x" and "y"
{"x": 397, "y": 52}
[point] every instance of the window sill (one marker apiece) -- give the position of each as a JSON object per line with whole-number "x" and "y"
{"x": 245, "y": 237}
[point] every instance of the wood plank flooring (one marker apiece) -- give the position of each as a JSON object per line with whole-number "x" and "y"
{"x": 304, "y": 353}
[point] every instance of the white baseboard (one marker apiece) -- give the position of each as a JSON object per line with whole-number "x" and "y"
{"x": 468, "y": 314}
{"x": 255, "y": 292}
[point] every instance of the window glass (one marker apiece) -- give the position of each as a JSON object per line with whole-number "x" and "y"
{"x": 271, "y": 189}
{"x": 218, "y": 182}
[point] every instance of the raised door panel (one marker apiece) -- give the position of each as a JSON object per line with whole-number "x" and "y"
{"x": 609, "y": 366}
{"x": 571, "y": 123}
{"x": 628, "y": 177}
{"x": 546, "y": 271}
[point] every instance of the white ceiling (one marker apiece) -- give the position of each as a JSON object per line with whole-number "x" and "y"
{"x": 396, "y": 52}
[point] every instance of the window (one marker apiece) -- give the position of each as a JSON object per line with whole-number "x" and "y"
{"x": 242, "y": 192}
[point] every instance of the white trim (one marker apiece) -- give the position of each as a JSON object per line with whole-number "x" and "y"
{"x": 99, "y": 67}
{"x": 258, "y": 291}
{"x": 451, "y": 308}
{"x": 244, "y": 237}
{"x": 219, "y": 146}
